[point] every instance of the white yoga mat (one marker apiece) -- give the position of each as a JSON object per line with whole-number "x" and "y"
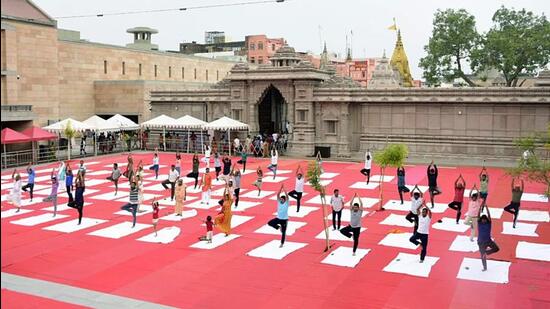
{"x": 522, "y": 229}
{"x": 95, "y": 182}
{"x": 449, "y": 224}
{"x": 254, "y": 194}
{"x": 399, "y": 240}
{"x": 336, "y": 235}
{"x": 398, "y": 220}
{"x": 63, "y": 207}
{"x": 291, "y": 228}
{"x": 304, "y": 211}
{"x": 217, "y": 240}
{"x": 108, "y": 196}
{"x": 35, "y": 220}
{"x": 377, "y": 178}
{"x": 120, "y": 230}
{"x": 126, "y": 185}
{"x": 147, "y": 197}
{"x": 276, "y": 180}
{"x": 275, "y": 197}
{"x": 463, "y": 244}
{"x": 197, "y": 204}
{"x": 343, "y": 256}
{"x": 13, "y": 212}
{"x": 368, "y": 202}
{"x": 219, "y": 192}
{"x": 158, "y": 187}
{"x": 396, "y": 205}
{"x": 534, "y": 197}
{"x": 237, "y": 220}
{"x": 271, "y": 250}
{"x": 323, "y": 182}
{"x": 244, "y": 205}
{"x": 168, "y": 202}
{"x": 164, "y": 236}
{"x": 346, "y": 214}
{"x": 99, "y": 173}
{"x": 146, "y": 210}
{"x": 279, "y": 172}
{"x": 534, "y": 215}
{"x": 184, "y": 215}
{"x": 472, "y": 269}
{"x": 409, "y": 264}
{"x": 72, "y": 225}
{"x": 533, "y": 251}
{"x": 423, "y": 189}
{"x": 364, "y": 185}
{"x": 36, "y": 200}
{"x": 329, "y": 175}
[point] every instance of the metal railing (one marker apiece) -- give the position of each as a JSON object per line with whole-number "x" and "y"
{"x": 16, "y": 108}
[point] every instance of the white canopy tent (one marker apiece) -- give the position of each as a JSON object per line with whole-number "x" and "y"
{"x": 99, "y": 124}
{"x": 122, "y": 123}
{"x": 225, "y": 123}
{"x": 190, "y": 122}
{"x": 59, "y": 127}
{"x": 163, "y": 122}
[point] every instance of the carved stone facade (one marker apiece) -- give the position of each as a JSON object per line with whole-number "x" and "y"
{"x": 326, "y": 110}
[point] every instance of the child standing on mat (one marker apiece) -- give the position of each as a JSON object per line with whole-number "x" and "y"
{"x": 53, "y": 195}
{"x": 195, "y": 170}
{"x": 337, "y": 204}
{"x": 30, "y": 181}
{"x": 456, "y": 204}
{"x": 513, "y": 207}
{"x": 354, "y": 227}
{"x": 132, "y": 203}
{"x": 115, "y": 175}
{"x": 486, "y": 244}
{"x": 298, "y": 188}
{"x": 401, "y": 187}
{"x": 274, "y": 160}
{"x": 259, "y": 177}
{"x": 156, "y": 210}
{"x": 368, "y": 164}
{"x": 209, "y": 229}
{"x": 473, "y": 212}
{"x": 422, "y": 232}
{"x": 433, "y": 189}
{"x": 156, "y": 165}
{"x": 281, "y": 221}
{"x": 417, "y": 202}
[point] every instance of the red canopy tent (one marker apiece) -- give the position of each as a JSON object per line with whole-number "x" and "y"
{"x": 10, "y": 136}
{"x": 38, "y": 134}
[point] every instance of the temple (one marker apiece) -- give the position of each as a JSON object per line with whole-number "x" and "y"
{"x": 400, "y": 62}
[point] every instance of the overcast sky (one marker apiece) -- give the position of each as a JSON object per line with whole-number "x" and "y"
{"x": 303, "y": 23}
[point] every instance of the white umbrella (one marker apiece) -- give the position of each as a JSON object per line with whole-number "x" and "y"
{"x": 226, "y": 123}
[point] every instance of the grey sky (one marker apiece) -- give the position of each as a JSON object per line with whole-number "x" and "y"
{"x": 297, "y": 21}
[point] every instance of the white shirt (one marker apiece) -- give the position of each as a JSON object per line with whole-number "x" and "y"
{"x": 173, "y": 176}
{"x": 337, "y": 203}
{"x": 16, "y": 187}
{"x": 299, "y": 187}
{"x": 274, "y": 159}
{"x": 275, "y": 136}
{"x": 156, "y": 160}
{"x": 207, "y": 152}
{"x": 368, "y": 162}
{"x": 424, "y": 224}
{"x": 237, "y": 142}
{"x": 415, "y": 204}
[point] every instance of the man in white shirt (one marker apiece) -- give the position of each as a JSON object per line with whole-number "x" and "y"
{"x": 298, "y": 188}
{"x": 422, "y": 232}
{"x": 337, "y": 204}
{"x": 172, "y": 178}
{"x": 416, "y": 203}
{"x": 274, "y": 159}
{"x": 368, "y": 164}
{"x": 207, "y": 153}
{"x": 237, "y": 144}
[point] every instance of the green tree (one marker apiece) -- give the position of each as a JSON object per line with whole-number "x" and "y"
{"x": 392, "y": 155}
{"x": 517, "y": 45}
{"x": 449, "y": 51}
{"x": 314, "y": 179}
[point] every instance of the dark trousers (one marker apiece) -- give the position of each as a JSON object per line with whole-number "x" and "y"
{"x": 69, "y": 193}
{"x": 402, "y": 189}
{"x": 243, "y": 163}
{"x": 349, "y": 231}
{"x": 458, "y": 207}
{"x": 237, "y": 191}
{"x": 156, "y": 169}
{"x": 423, "y": 241}
{"x": 336, "y": 217}
{"x": 298, "y": 196}
{"x": 487, "y": 248}
{"x": 195, "y": 176}
{"x": 172, "y": 187}
{"x": 513, "y": 208}
{"x": 29, "y": 186}
{"x": 132, "y": 208}
{"x": 277, "y": 223}
{"x": 78, "y": 203}
{"x": 218, "y": 170}
{"x": 366, "y": 172}
{"x": 412, "y": 218}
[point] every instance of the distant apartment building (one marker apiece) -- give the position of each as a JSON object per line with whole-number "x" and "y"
{"x": 260, "y": 48}
{"x": 213, "y": 37}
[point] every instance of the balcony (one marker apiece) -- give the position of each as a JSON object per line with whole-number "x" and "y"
{"x": 17, "y": 113}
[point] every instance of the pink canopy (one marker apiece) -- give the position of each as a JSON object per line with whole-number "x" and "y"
{"x": 38, "y": 134}
{"x": 10, "y": 136}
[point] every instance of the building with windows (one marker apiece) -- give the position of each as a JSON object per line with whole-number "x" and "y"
{"x": 214, "y": 37}
{"x": 260, "y": 48}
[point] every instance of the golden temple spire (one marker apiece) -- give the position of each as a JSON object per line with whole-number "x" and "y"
{"x": 400, "y": 62}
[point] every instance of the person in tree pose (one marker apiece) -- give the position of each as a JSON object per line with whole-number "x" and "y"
{"x": 281, "y": 221}
{"x": 223, "y": 219}
{"x": 274, "y": 159}
{"x": 433, "y": 189}
{"x": 195, "y": 170}
{"x": 416, "y": 203}
{"x": 30, "y": 181}
{"x": 53, "y": 195}
{"x": 259, "y": 177}
{"x": 401, "y": 187}
{"x": 368, "y": 165}
{"x": 473, "y": 212}
{"x": 513, "y": 207}
{"x": 423, "y": 231}
{"x": 486, "y": 244}
{"x": 298, "y": 188}
{"x": 354, "y": 227}
{"x": 115, "y": 175}
{"x": 456, "y": 204}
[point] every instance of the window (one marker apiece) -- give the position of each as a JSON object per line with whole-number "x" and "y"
{"x": 260, "y": 60}
{"x": 260, "y": 46}
{"x": 237, "y": 114}
{"x": 105, "y": 66}
{"x": 252, "y": 46}
{"x": 302, "y": 115}
{"x": 252, "y": 60}
{"x": 123, "y": 68}
{"x": 207, "y": 75}
{"x": 155, "y": 70}
{"x": 139, "y": 69}
{"x": 195, "y": 73}
{"x": 331, "y": 126}
{"x": 182, "y": 73}
{"x": 169, "y": 72}
{"x": 217, "y": 75}
{"x": 273, "y": 47}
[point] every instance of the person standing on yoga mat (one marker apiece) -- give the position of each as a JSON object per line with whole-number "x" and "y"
{"x": 223, "y": 219}
{"x": 513, "y": 207}
{"x": 156, "y": 210}
{"x": 115, "y": 175}
{"x": 354, "y": 227}
{"x": 368, "y": 164}
{"x": 259, "y": 177}
{"x": 129, "y": 173}
{"x": 236, "y": 173}
{"x": 281, "y": 221}
{"x": 172, "y": 178}
{"x": 484, "y": 184}
{"x": 81, "y": 166}
{"x": 207, "y": 152}
{"x": 486, "y": 244}
{"x": 156, "y": 164}
{"x": 15, "y": 194}
{"x": 226, "y": 167}
{"x": 401, "y": 187}
{"x": 181, "y": 195}
{"x": 456, "y": 204}
{"x": 30, "y": 181}
{"x": 473, "y": 212}
{"x": 132, "y": 203}
{"x": 206, "y": 186}
{"x": 178, "y": 162}
{"x": 244, "y": 157}
{"x": 69, "y": 183}
{"x": 432, "y": 182}
{"x": 53, "y": 195}
{"x": 274, "y": 160}
{"x": 416, "y": 203}
{"x": 337, "y": 204}
{"x": 195, "y": 170}
{"x": 217, "y": 165}
{"x": 422, "y": 232}
{"x": 62, "y": 171}
{"x": 298, "y": 188}
{"x": 78, "y": 203}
